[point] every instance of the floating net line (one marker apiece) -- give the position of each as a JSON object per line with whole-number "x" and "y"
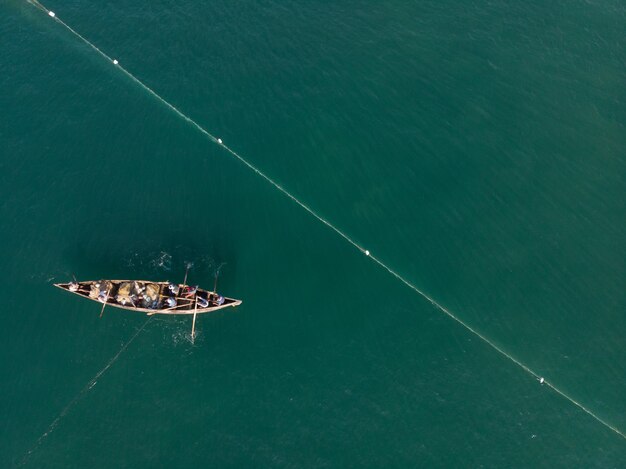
{"x": 347, "y": 238}
{"x": 92, "y": 382}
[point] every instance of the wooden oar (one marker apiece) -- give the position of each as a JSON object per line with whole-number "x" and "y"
{"x": 193, "y": 324}
{"x": 185, "y": 281}
{"x": 217, "y": 273}
{"x": 156, "y": 311}
{"x": 105, "y": 303}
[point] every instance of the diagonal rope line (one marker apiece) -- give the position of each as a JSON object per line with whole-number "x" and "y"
{"x": 92, "y": 382}
{"x": 285, "y": 192}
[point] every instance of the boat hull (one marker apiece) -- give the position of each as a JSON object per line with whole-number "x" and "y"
{"x": 185, "y": 305}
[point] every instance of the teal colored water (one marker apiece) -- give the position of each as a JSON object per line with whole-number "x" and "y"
{"x": 477, "y": 149}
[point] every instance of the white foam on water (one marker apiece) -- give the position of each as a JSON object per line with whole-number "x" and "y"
{"x": 162, "y": 261}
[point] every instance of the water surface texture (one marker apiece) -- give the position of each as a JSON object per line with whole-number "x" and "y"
{"x": 476, "y": 148}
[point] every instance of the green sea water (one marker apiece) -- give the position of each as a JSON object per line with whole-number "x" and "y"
{"x": 476, "y": 148}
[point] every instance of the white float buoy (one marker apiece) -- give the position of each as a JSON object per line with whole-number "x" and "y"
{"x": 51, "y": 13}
{"x": 367, "y": 253}
{"x": 115, "y": 62}
{"x": 541, "y": 380}
{"x": 219, "y": 140}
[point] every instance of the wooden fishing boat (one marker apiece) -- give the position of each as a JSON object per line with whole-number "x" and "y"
{"x": 151, "y": 298}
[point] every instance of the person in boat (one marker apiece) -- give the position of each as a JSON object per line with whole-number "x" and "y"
{"x": 138, "y": 288}
{"x": 189, "y": 292}
{"x": 150, "y": 296}
{"x": 125, "y": 295}
{"x": 169, "y": 302}
{"x": 73, "y": 287}
{"x": 100, "y": 288}
{"x": 216, "y": 299}
{"x": 173, "y": 289}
